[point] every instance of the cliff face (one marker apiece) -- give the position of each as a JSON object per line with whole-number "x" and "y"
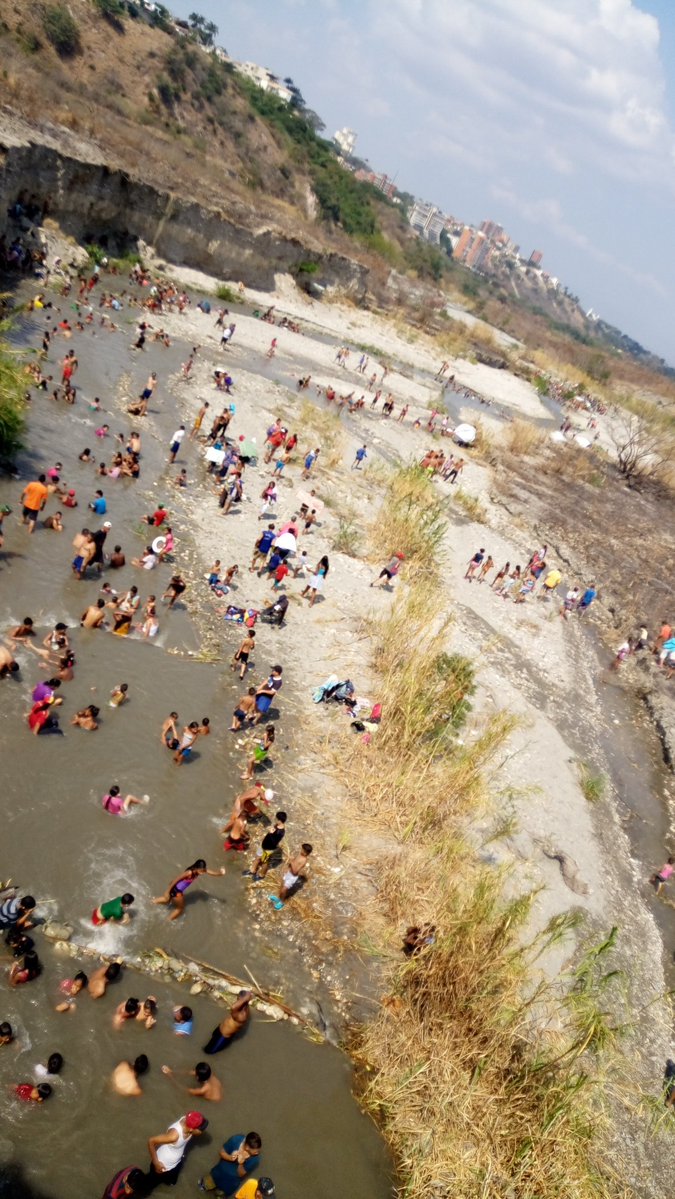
{"x": 95, "y": 203}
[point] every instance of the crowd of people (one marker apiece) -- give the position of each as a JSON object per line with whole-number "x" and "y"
{"x": 254, "y": 829}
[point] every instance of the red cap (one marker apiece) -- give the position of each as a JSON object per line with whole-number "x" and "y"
{"x": 195, "y": 1121}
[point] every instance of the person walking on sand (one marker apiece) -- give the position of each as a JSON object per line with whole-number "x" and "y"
{"x": 390, "y": 571}
{"x": 245, "y": 710}
{"x": 317, "y": 581}
{"x": 240, "y": 659}
{"x": 297, "y": 869}
{"x": 663, "y": 875}
{"x": 175, "y": 892}
{"x": 198, "y": 420}
{"x": 457, "y": 468}
{"x": 359, "y": 458}
{"x": 232, "y": 1026}
{"x": 487, "y": 566}
{"x": 175, "y": 442}
{"x": 474, "y": 563}
{"x": 500, "y": 575}
{"x": 266, "y": 693}
{"x": 268, "y": 847}
{"x": 587, "y": 599}
{"x": 310, "y": 461}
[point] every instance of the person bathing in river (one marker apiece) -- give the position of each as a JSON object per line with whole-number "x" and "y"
{"x": 125, "y": 1076}
{"x": 232, "y": 1026}
{"x": 114, "y": 909}
{"x": 175, "y": 893}
{"x": 207, "y": 1085}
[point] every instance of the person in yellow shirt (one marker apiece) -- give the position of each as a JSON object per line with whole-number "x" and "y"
{"x": 262, "y": 1188}
{"x": 550, "y": 583}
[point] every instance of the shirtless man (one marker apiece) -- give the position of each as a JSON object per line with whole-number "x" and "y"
{"x": 296, "y": 869}
{"x": 241, "y": 657}
{"x": 99, "y": 980}
{"x": 169, "y": 733}
{"x": 86, "y": 718}
{"x": 247, "y": 802}
{"x": 244, "y": 710}
{"x": 93, "y": 616}
{"x": 7, "y": 663}
{"x": 208, "y": 1086}
{"x": 128, "y": 1010}
{"x": 233, "y": 1024}
{"x": 125, "y": 1076}
{"x": 237, "y": 838}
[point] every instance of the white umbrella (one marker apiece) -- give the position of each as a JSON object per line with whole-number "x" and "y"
{"x": 465, "y": 434}
{"x": 286, "y": 541}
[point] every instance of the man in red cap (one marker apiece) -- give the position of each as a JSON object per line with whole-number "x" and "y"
{"x": 167, "y": 1151}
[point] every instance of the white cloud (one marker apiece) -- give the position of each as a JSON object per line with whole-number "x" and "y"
{"x": 583, "y": 77}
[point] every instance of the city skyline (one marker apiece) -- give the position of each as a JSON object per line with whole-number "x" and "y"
{"x": 555, "y": 119}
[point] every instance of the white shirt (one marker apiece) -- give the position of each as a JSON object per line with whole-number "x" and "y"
{"x": 178, "y": 436}
{"x": 171, "y": 1155}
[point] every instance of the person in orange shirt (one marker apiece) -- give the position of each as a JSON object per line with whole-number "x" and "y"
{"x": 664, "y": 633}
{"x": 33, "y": 498}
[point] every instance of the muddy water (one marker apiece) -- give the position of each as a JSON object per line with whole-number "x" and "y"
{"x": 59, "y": 843}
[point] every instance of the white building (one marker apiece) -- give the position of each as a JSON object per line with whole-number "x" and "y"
{"x": 264, "y": 79}
{"x": 346, "y": 140}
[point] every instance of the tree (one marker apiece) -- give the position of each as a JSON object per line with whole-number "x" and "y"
{"x": 446, "y": 244}
{"x": 205, "y": 31}
{"x": 642, "y": 448}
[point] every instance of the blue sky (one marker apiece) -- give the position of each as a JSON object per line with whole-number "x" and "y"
{"x": 554, "y": 117}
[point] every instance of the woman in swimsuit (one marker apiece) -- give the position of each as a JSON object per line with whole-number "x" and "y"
{"x": 175, "y": 895}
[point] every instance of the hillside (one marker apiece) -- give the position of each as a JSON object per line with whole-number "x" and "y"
{"x": 150, "y": 106}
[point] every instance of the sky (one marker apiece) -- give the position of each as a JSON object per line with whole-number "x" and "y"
{"x": 555, "y": 118}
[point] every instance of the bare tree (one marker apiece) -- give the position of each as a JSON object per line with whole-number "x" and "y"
{"x": 642, "y": 448}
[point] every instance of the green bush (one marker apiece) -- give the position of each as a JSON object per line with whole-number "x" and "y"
{"x": 342, "y": 199}
{"x": 61, "y": 29}
{"x": 226, "y": 294}
{"x": 12, "y": 404}
{"x": 112, "y": 10}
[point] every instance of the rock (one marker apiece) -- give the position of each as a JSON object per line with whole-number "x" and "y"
{"x": 196, "y": 988}
{"x": 57, "y": 932}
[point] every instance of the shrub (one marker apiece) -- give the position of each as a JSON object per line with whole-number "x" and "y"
{"x": 346, "y": 539}
{"x": 12, "y": 404}
{"x": 112, "y": 10}
{"x": 61, "y": 29}
{"x": 225, "y": 293}
{"x": 471, "y": 505}
{"x": 524, "y": 438}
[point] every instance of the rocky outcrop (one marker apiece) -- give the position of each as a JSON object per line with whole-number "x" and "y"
{"x": 94, "y": 202}
{"x": 661, "y": 708}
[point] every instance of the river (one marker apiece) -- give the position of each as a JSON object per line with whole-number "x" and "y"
{"x": 59, "y": 844}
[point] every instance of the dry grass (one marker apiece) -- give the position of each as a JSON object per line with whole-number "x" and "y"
{"x": 479, "y": 1074}
{"x": 410, "y": 520}
{"x": 323, "y": 428}
{"x": 470, "y": 505}
{"x": 524, "y": 438}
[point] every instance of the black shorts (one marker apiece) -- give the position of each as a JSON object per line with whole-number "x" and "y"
{"x": 242, "y": 657}
{"x": 31, "y": 513}
{"x": 386, "y": 573}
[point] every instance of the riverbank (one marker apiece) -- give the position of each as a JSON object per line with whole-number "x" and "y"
{"x": 342, "y": 933}
{"x": 530, "y": 663}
